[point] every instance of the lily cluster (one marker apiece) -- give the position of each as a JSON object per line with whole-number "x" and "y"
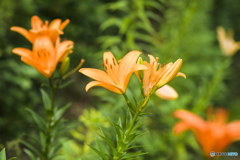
{"x": 227, "y": 44}
{"x": 212, "y": 135}
{"x": 47, "y": 49}
{"x": 152, "y": 76}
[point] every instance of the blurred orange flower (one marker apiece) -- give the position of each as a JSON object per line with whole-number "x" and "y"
{"x": 214, "y": 134}
{"x": 156, "y": 76}
{"x": 227, "y": 44}
{"x": 53, "y": 30}
{"x": 117, "y": 76}
{"x": 167, "y": 93}
{"x": 44, "y": 55}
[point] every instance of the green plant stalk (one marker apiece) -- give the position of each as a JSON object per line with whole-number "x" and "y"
{"x": 137, "y": 113}
{"x": 50, "y": 114}
{"x": 218, "y": 77}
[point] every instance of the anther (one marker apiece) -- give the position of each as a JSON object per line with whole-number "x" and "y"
{"x": 106, "y": 61}
{"x": 114, "y": 62}
{"x": 38, "y": 54}
{"x": 111, "y": 66}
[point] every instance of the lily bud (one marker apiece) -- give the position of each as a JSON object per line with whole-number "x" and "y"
{"x": 171, "y": 73}
{"x": 167, "y": 93}
{"x": 64, "y": 66}
{"x": 140, "y": 73}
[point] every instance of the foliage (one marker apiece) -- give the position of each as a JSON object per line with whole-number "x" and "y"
{"x": 167, "y": 29}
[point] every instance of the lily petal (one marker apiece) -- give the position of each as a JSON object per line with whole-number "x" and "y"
{"x": 152, "y": 59}
{"x": 47, "y": 72}
{"x": 55, "y": 24}
{"x": 36, "y": 23}
{"x": 64, "y": 24}
{"x": 233, "y": 129}
{"x": 23, "y": 52}
{"x": 97, "y": 83}
{"x": 137, "y": 67}
{"x": 22, "y": 31}
{"x": 181, "y": 74}
{"x": 62, "y": 49}
{"x": 126, "y": 64}
{"x": 180, "y": 127}
{"x": 97, "y": 74}
{"x": 191, "y": 119}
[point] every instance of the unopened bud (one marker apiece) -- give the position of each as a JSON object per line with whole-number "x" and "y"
{"x": 64, "y": 66}
{"x": 167, "y": 93}
{"x": 171, "y": 73}
{"x": 140, "y": 72}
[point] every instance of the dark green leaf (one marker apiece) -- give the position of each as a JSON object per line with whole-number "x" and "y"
{"x": 46, "y": 100}
{"x": 31, "y": 148}
{"x": 135, "y": 154}
{"x": 99, "y": 153}
{"x": 110, "y": 144}
{"x": 60, "y": 112}
{"x": 66, "y": 84}
{"x": 38, "y": 120}
{"x": 29, "y": 153}
{"x": 3, "y": 155}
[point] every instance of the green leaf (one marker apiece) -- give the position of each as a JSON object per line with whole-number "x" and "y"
{"x": 119, "y": 130}
{"x": 111, "y": 22}
{"x": 38, "y": 120}
{"x": 110, "y": 144}
{"x": 135, "y": 154}
{"x": 66, "y": 84}
{"x": 128, "y": 120}
{"x": 100, "y": 147}
{"x": 126, "y": 23}
{"x": 31, "y": 148}
{"x": 29, "y": 153}
{"x": 54, "y": 149}
{"x": 99, "y": 153}
{"x": 42, "y": 140}
{"x": 60, "y": 112}
{"x": 118, "y": 5}
{"x": 46, "y": 100}
{"x": 3, "y": 154}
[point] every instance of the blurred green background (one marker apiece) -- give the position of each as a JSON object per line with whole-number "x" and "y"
{"x": 168, "y": 29}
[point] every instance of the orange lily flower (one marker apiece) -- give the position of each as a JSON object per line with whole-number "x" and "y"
{"x": 156, "y": 77}
{"x": 117, "y": 76}
{"x": 214, "y": 134}
{"x": 44, "y": 55}
{"x": 167, "y": 92}
{"x": 227, "y": 44}
{"x": 53, "y": 30}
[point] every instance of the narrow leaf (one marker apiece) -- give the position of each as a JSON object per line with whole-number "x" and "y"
{"x": 60, "y": 112}
{"x": 31, "y": 148}
{"x": 29, "y": 153}
{"x": 46, "y": 100}
{"x": 38, "y": 120}
{"x": 3, "y": 154}
{"x": 99, "y": 153}
{"x": 66, "y": 84}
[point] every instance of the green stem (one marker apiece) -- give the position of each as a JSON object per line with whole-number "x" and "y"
{"x": 50, "y": 114}
{"x": 131, "y": 126}
{"x": 137, "y": 112}
{"x": 217, "y": 78}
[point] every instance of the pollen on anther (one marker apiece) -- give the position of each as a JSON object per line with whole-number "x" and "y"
{"x": 38, "y": 54}
{"x": 113, "y": 61}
